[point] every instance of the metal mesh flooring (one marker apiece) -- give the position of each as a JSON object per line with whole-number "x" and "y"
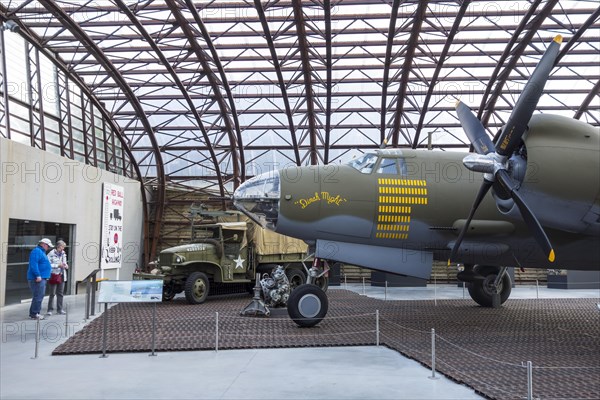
{"x": 483, "y": 348}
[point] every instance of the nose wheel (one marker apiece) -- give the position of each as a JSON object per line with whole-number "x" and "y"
{"x": 307, "y": 305}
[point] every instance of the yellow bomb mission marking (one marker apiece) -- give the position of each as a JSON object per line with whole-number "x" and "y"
{"x": 323, "y": 196}
{"x": 395, "y": 201}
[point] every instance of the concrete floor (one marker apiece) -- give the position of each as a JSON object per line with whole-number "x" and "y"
{"x": 299, "y": 373}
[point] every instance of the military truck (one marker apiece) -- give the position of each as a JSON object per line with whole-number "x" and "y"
{"x": 230, "y": 253}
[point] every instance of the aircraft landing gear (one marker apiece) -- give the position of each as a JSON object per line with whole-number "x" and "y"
{"x": 307, "y": 305}
{"x": 494, "y": 289}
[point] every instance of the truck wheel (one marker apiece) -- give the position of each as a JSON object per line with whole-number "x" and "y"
{"x": 196, "y": 288}
{"x": 307, "y": 305}
{"x": 323, "y": 283}
{"x": 168, "y": 292}
{"x": 296, "y": 277}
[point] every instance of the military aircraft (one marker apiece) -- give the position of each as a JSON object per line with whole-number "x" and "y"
{"x": 397, "y": 210}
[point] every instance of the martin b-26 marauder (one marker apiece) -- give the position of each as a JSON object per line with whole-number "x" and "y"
{"x": 397, "y": 210}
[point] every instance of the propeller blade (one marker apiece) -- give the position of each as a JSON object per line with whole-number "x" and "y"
{"x": 474, "y": 129}
{"x": 521, "y": 114}
{"x": 483, "y": 189}
{"x": 532, "y": 222}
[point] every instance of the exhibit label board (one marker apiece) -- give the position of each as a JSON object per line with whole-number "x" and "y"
{"x": 138, "y": 291}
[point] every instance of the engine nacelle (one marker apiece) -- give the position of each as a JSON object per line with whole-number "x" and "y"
{"x": 561, "y": 154}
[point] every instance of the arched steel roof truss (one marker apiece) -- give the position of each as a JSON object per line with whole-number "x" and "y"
{"x": 280, "y": 81}
{"x": 487, "y": 106}
{"x": 208, "y": 67}
{"x": 192, "y": 108}
{"x": 197, "y": 91}
{"x": 442, "y": 58}
{"x": 92, "y": 48}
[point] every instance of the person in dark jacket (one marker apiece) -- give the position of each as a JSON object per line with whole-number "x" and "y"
{"x": 37, "y": 275}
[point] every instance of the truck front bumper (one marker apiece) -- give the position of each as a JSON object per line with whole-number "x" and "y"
{"x": 140, "y": 276}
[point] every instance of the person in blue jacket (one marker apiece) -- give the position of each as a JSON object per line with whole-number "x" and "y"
{"x": 37, "y": 275}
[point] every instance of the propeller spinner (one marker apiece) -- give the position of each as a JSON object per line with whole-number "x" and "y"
{"x": 492, "y": 160}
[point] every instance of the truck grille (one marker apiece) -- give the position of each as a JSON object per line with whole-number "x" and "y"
{"x": 165, "y": 259}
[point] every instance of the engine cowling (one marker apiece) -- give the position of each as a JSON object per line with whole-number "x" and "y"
{"x": 561, "y": 180}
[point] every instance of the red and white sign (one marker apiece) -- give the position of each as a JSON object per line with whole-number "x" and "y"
{"x": 111, "y": 245}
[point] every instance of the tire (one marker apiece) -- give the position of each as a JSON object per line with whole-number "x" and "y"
{"x": 197, "y": 287}
{"x": 323, "y": 283}
{"x": 296, "y": 277}
{"x": 307, "y": 305}
{"x": 168, "y": 292}
{"x": 482, "y": 291}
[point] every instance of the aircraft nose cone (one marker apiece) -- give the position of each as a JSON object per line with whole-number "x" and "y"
{"x": 258, "y": 198}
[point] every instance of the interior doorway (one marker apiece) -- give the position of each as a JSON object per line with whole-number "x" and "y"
{"x": 23, "y": 236}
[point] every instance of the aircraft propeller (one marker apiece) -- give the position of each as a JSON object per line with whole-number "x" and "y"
{"x": 492, "y": 160}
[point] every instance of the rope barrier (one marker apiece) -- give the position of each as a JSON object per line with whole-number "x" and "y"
{"x": 404, "y": 327}
{"x": 481, "y": 382}
{"x": 220, "y": 324}
{"x": 478, "y": 355}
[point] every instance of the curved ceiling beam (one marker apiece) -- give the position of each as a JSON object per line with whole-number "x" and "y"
{"x": 108, "y": 118}
{"x": 4, "y": 100}
{"x": 387, "y": 65}
{"x": 281, "y": 82}
{"x": 235, "y": 146}
{"x": 94, "y": 50}
{"x": 575, "y": 38}
{"x": 232, "y": 109}
{"x": 132, "y": 17}
{"x": 510, "y": 65}
{"x": 306, "y": 69}
{"x": 457, "y": 20}
{"x": 505, "y": 55}
{"x": 328, "y": 92}
{"x": 85, "y": 90}
{"x": 406, "y": 68}
{"x": 588, "y": 99}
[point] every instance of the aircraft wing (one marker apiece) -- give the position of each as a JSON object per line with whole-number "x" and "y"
{"x": 397, "y": 260}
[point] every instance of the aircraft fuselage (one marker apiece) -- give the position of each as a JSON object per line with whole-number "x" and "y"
{"x": 412, "y": 203}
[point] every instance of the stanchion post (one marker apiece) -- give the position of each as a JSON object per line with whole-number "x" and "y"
{"x": 66, "y": 320}
{"x": 104, "y": 331}
{"x": 345, "y": 282}
{"x": 94, "y": 288}
{"x": 364, "y": 290}
{"x": 377, "y": 327}
{"x": 464, "y": 284}
{"x": 37, "y": 338}
{"x": 529, "y": 381}
{"x": 153, "y": 330}
{"x": 434, "y": 292}
{"x": 88, "y": 291}
{"x": 217, "y": 331}
{"x": 385, "y": 295}
{"x": 537, "y": 289}
{"x": 433, "y": 354}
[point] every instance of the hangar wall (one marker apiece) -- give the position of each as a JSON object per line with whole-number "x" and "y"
{"x": 41, "y": 186}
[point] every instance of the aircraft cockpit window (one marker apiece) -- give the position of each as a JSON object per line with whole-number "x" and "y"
{"x": 388, "y": 166}
{"x": 364, "y": 164}
{"x": 395, "y": 166}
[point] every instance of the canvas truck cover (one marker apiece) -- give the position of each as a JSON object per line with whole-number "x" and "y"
{"x": 267, "y": 242}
